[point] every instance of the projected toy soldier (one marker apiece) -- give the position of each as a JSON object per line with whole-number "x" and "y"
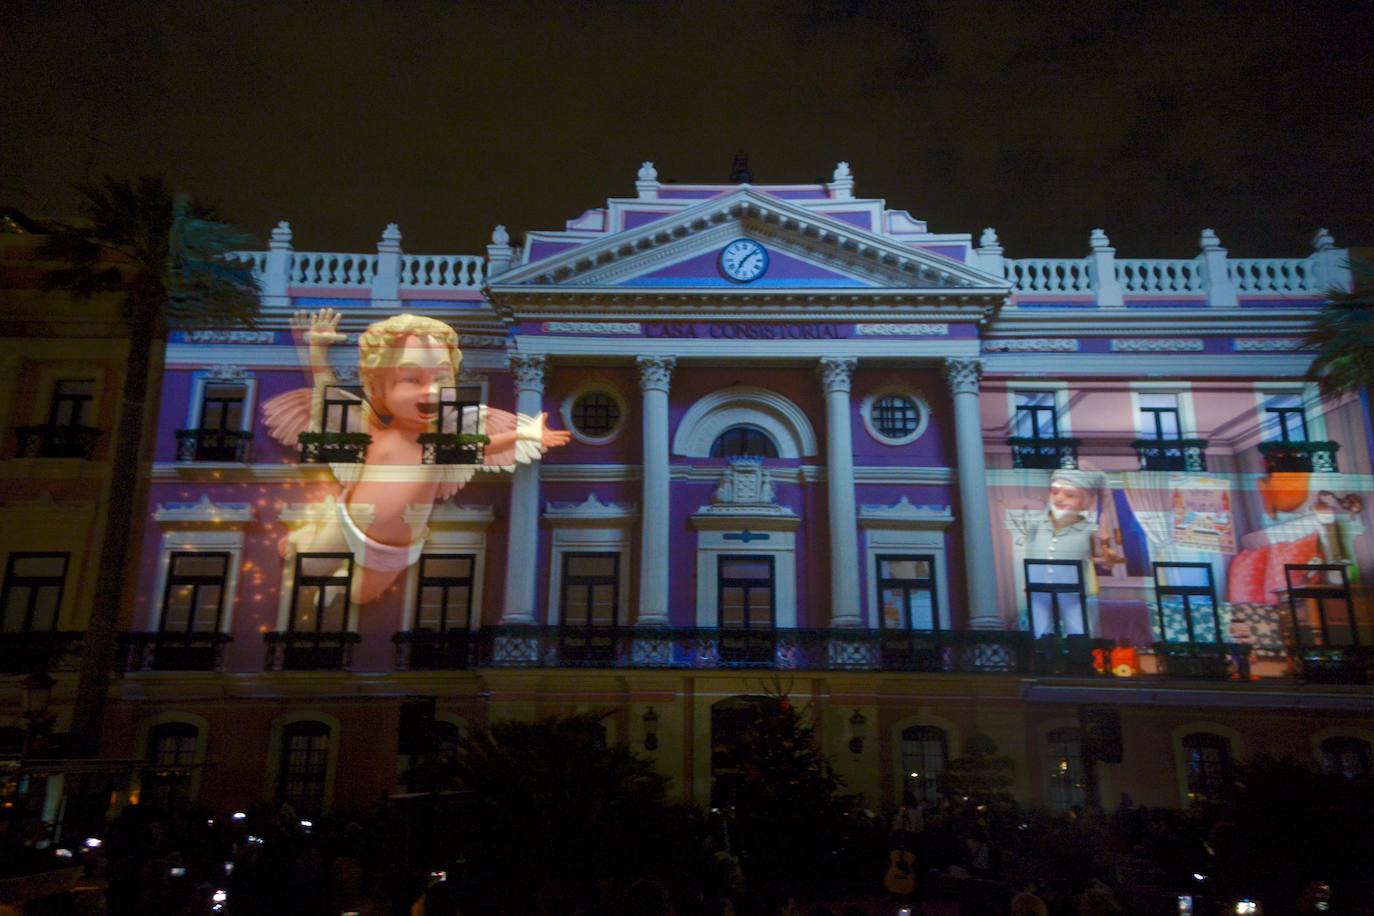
{"x": 382, "y": 509}
{"x": 1065, "y": 532}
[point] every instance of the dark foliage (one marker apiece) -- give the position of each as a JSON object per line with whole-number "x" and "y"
{"x": 1343, "y": 334}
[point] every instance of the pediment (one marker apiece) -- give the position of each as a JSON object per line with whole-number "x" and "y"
{"x": 808, "y": 250}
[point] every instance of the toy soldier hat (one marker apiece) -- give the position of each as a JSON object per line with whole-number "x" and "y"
{"x": 1084, "y": 480}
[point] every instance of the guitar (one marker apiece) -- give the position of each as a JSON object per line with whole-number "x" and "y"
{"x": 901, "y": 874}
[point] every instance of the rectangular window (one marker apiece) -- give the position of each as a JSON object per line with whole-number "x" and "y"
{"x": 1055, "y": 596}
{"x": 320, "y": 599}
{"x": 193, "y": 601}
{"x": 221, "y": 407}
{"x": 906, "y": 590}
{"x": 1035, "y": 415}
{"x": 444, "y": 598}
{"x": 32, "y": 593}
{"x": 590, "y": 600}
{"x": 1284, "y": 419}
{"x": 745, "y": 595}
{"x": 1319, "y": 601}
{"x": 460, "y": 410}
{"x": 925, "y": 752}
{"x": 1159, "y": 417}
{"x": 343, "y": 409}
{"x": 304, "y": 767}
{"x": 1072, "y": 782}
{"x": 72, "y": 403}
{"x": 1207, "y": 762}
{"x": 166, "y": 782}
{"x": 1187, "y": 601}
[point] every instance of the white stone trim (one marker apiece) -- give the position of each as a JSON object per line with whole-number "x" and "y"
{"x": 592, "y": 327}
{"x": 1061, "y": 403}
{"x": 1183, "y": 390}
{"x": 1312, "y": 407}
{"x": 898, "y": 388}
{"x": 780, "y": 545}
{"x": 718, "y": 411}
{"x": 223, "y": 374}
{"x": 595, "y": 386}
{"x": 274, "y": 752}
{"x": 203, "y": 512}
{"x": 197, "y": 540}
{"x": 902, "y": 329}
{"x": 453, "y": 529}
{"x": 1031, "y": 345}
{"x": 144, "y": 731}
{"x": 1157, "y": 345}
{"x": 905, "y": 529}
{"x": 590, "y": 526}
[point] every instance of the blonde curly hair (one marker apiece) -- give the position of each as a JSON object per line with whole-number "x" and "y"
{"x": 379, "y": 347}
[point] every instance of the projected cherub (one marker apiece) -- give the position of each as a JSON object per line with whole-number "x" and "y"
{"x": 381, "y": 509}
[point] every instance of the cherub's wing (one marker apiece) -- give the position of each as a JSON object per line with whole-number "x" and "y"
{"x": 288, "y": 415}
{"x": 524, "y": 447}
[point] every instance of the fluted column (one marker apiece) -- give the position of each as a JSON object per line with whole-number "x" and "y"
{"x": 835, "y": 374}
{"x": 522, "y": 545}
{"x": 655, "y": 373}
{"x": 979, "y": 569}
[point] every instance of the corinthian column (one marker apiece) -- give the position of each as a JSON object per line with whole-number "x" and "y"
{"x": 522, "y": 545}
{"x": 835, "y": 374}
{"x": 979, "y": 569}
{"x": 655, "y": 372}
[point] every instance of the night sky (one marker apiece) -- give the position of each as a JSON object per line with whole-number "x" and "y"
{"x": 1150, "y": 120}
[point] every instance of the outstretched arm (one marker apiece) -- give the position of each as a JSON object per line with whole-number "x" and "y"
{"x": 315, "y": 334}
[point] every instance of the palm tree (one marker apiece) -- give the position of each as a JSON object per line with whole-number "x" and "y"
{"x": 166, "y": 255}
{"x": 1343, "y": 334}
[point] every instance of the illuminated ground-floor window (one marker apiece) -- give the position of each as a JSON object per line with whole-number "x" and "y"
{"x": 925, "y": 751}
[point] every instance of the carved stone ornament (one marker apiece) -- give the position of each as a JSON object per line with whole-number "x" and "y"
{"x": 590, "y": 510}
{"x": 499, "y": 236}
{"x": 647, "y": 172}
{"x": 745, "y": 497}
{"x": 655, "y": 372}
{"x": 1268, "y": 344}
{"x": 903, "y": 329}
{"x": 903, "y": 514}
{"x": 528, "y": 369}
{"x": 1032, "y": 345}
{"x": 226, "y": 372}
{"x": 592, "y": 327}
{"x": 745, "y": 483}
{"x": 962, "y": 375}
{"x": 230, "y": 337}
{"x": 204, "y": 512}
{"x": 841, "y": 172}
{"x": 348, "y": 374}
{"x": 482, "y": 340}
{"x": 1158, "y": 345}
{"x": 835, "y": 373}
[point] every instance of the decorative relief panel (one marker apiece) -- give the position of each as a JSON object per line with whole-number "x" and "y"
{"x": 901, "y": 330}
{"x": 591, "y": 327}
{"x": 1158, "y": 345}
{"x": 1032, "y": 345}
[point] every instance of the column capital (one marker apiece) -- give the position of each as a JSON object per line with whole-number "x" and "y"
{"x": 528, "y": 369}
{"x": 962, "y": 375}
{"x": 655, "y": 372}
{"x": 835, "y": 373}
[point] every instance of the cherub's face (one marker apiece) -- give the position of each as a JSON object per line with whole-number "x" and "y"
{"x": 410, "y": 388}
{"x": 1068, "y": 498}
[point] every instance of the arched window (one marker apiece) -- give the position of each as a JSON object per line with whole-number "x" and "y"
{"x": 304, "y": 766}
{"x": 925, "y": 751}
{"x": 171, "y": 754}
{"x": 1207, "y": 758}
{"x": 742, "y": 441}
{"x": 1070, "y": 778}
{"x": 1346, "y": 756}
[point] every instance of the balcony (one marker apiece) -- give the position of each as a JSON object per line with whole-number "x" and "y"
{"x": 1344, "y": 665}
{"x": 213, "y": 445}
{"x": 1171, "y": 454}
{"x": 431, "y": 650}
{"x": 334, "y": 448}
{"x": 1044, "y": 454}
{"x": 1217, "y": 661}
{"x": 44, "y": 650}
{"x": 55, "y": 441}
{"x": 323, "y": 651}
{"x": 453, "y": 448}
{"x": 173, "y": 651}
{"x": 1299, "y": 456}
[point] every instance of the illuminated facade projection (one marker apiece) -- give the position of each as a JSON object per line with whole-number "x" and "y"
{"x": 1087, "y": 506}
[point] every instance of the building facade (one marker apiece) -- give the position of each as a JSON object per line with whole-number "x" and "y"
{"x": 1091, "y": 507}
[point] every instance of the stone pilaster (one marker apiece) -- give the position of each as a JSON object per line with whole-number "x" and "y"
{"x": 655, "y": 375}
{"x": 980, "y": 572}
{"x": 835, "y": 376}
{"x": 522, "y": 546}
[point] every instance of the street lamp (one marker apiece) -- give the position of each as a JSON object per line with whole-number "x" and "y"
{"x": 858, "y": 730}
{"x": 650, "y": 730}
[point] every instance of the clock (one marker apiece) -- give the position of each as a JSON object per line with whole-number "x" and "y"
{"x": 743, "y": 260}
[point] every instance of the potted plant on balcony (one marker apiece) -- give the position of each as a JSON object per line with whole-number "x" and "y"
{"x": 453, "y": 448}
{"x": 334, "y": 447}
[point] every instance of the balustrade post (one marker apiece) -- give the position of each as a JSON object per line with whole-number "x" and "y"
{"x": 1220, "y": 290}
{"x": 841, "y": 185}
{"x": 276, "y": 275}
{"x": 1109, "y": 293}
{"x": 1333, "y": 264}
{"x": 647, "y": 183}
{"x": 386, "y": 282}
{"x": 989, "y": 252}
{"x": 499, "y": 253}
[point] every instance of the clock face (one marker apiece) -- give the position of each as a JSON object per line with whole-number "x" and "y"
{"x": 743, "y": 260}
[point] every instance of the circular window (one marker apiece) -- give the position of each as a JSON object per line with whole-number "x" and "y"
{"x": 594, "y": 414}
{"x": 895, "y": 417}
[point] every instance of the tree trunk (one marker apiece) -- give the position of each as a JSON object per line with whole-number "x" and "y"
{"x": 102, "y": 632}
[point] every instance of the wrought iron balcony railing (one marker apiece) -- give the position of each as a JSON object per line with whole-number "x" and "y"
{"x": 323, "y": 651}
{"x": 55, "y": 441}
{"x": 1171, "y": 454}
{"x": 1216, "y": 661}
{"x": 213, "y": 444}
{"x": 1331, "y": 665}
{"x": 1299, "y": 456}
{"x": 173, "y": 651}
{"x": 1044, "y": 454}
{"x": 43, "y": 650}
{"x": 432, "y": 650}
{"x": 453, "y": 448}
{"x": 334, "y": 448}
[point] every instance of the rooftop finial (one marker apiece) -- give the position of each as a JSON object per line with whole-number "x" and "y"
{"x": 499, "y": 235}
{"x": 647, "y": 172}
{"x": 841, "y": 171}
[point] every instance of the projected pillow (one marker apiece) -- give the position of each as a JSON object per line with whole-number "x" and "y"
{"x": 1245, "y": 578}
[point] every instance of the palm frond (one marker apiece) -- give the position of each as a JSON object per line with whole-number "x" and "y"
{"x": 1343, "y": 335}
